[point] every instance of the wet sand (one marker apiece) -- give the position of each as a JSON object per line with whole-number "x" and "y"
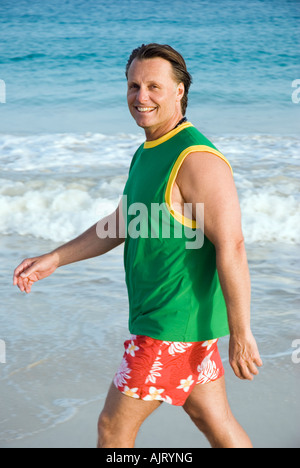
{"x": 267, "y": 408}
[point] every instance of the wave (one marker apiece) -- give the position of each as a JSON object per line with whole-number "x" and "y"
{"x": 270, "y": 218}
{"x": 81, "y": 57}
{"x": 60, "y": 211}
{"x": 55, "y": 186}
{"x": 27, "y": 57}
{"x": 55, "y": 212}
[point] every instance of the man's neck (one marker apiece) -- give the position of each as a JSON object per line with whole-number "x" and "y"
{"x": 161, "y": 130}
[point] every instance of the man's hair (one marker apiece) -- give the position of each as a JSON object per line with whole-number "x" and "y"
{"x": 181, "y": 75}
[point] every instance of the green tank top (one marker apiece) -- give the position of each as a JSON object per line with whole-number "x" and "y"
{"x": 173, "y": 288}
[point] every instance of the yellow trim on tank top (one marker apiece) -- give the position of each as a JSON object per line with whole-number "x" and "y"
{"x": 167, "y": 136}
{"x": 191, "y": 223}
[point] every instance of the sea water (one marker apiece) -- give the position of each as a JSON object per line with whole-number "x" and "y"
{"x": 63, "y": 62}
{"x": 66, "y": 143}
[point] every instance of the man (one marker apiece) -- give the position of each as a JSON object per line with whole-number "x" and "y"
{"x": 181, "y": 299}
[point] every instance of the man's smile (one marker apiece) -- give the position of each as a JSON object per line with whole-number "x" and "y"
{"x": 145, "y": 109}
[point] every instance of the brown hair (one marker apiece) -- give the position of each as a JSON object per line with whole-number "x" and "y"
{"x": 181, "y": 75}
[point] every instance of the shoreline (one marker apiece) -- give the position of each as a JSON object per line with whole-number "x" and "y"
{"x": 270, "y": 422}
{"x": 212, "y": 120}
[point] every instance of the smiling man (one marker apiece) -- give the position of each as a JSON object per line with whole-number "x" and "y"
{"x": 181, "y": 300}
{"x": 154, "y": 99}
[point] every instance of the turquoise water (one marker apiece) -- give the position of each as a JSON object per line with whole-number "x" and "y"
{"x": 63, "y": 61}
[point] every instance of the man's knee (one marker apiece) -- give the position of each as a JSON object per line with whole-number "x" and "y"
{"x": 208, "y": 420}
{"x": 201, "y": 422}
{"x": 105, "y": 431}
{"x": 113, "y": 435}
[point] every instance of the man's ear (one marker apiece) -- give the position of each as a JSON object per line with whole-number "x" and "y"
{"x": 180, "y": 92}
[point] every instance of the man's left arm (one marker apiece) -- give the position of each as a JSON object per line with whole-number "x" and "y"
{"x": 205, "y": 178}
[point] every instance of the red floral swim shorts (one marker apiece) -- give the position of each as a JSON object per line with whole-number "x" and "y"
{"x": 166, "y": 371}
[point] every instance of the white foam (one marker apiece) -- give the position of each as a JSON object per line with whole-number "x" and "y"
{"x": 56, "y": 186}
{"x": 55, "y": 213}
{"x": 66, "y": 152}
{"x": 269, "y": 218}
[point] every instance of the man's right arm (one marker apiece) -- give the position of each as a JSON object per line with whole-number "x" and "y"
{"x": 87, "y": 245}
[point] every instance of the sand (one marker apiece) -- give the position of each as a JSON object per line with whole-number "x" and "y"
{"x": 268, "y": 409}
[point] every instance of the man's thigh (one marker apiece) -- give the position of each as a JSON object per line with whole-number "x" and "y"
{"x": 126, "y": 413}
{"x": 208, "y": 402}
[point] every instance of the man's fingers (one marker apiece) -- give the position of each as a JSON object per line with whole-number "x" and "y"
{"x": 253, "y": 364}
{"x": 20, "y": 270}
{"x": 22, "y": 274}
{"x": 17, "y": 273}
{"x": 27, "y": 272}
{"x": 28, "y": 285}
{"x": 252, "y": 368}
{"x": 236, "y": 370}
{"x": 244, "y": 357}
{"x": 258, "y": 361}
{"x": 244, "y": 370}
{"x": 20, "y": 284}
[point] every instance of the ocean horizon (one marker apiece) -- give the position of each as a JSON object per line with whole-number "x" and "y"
{"x": 63, "y": 63}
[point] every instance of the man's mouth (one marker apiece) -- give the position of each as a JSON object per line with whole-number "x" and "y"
{"x": 145, "y": 109}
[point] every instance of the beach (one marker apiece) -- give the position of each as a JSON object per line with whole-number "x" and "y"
{"x": 66, "y": 144}
{"x": 170, "y": 427}
{"x": 267, "y": 408}
{"x": 62, "y": 354}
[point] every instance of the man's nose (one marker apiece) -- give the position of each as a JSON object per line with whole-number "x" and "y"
{"x": 142, "y": 95}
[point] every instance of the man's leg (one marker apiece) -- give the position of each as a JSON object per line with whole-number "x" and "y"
{"x": 121, "y": 419}
{"x": 209, "y": 409}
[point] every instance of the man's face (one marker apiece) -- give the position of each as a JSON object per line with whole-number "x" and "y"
{"x": 153, "y": 95}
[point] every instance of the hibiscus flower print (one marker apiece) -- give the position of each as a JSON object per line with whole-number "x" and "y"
{"x": 122, "y": 375}
{"x": 207, "y": 370}
{"x": 186, "y": 383}
{"x": 177, "y": 347}
{"x": 132, "y": 348}
{"x": 154, "y": 394}
{"x": 167, "y": 399}
{"x": 208, "y": 344}
{"x": 132, "y": 392}
{"x": 154, "y": 371}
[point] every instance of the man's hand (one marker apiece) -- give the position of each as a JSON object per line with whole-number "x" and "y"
{"x": 244, "y": 356}
{"x": 34, "y": 269}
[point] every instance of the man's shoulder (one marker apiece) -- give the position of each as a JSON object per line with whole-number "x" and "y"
{"x": 200, "y": 149}
{"x": 136, "y": 155}
{"x": 194, "y": 134}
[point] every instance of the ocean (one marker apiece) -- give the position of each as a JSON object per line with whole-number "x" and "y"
{"x": 66, "y": 143}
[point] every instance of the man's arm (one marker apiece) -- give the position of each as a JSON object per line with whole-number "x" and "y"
{"x": 205, "y": 178}
{"x": 87, "y": 245}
